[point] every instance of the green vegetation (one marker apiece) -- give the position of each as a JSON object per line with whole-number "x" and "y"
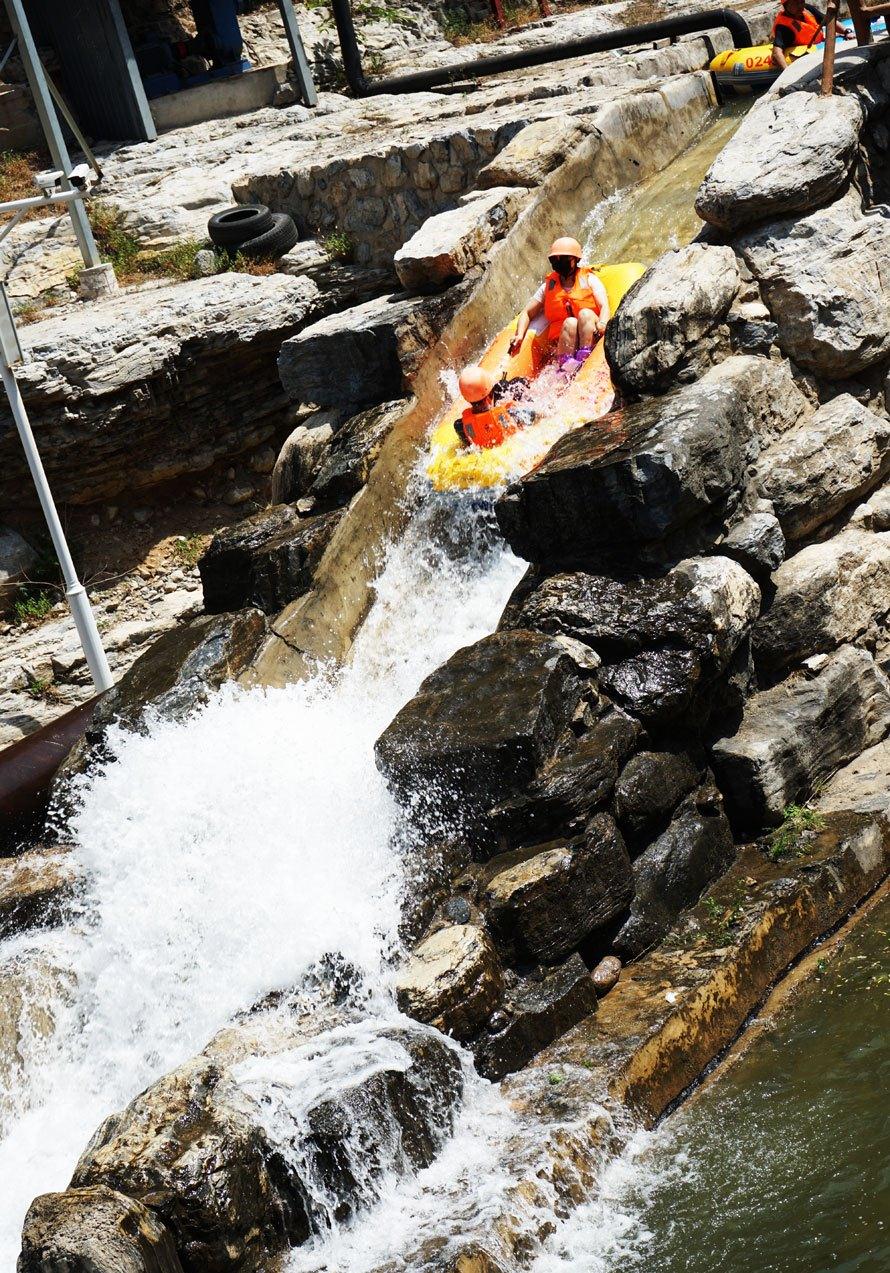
{"x": 723, "y": 915}
{"x": 339, "y": 245}
{"x": 38, "y": 594}
{"x": 31, "y": 604}
{"x": 38, "y": 688}
{"x": 554, "y": 1079}
{"x": 188, "y": 548}
{"x": 133, "y": 264}
{"x": 788, "y": 840}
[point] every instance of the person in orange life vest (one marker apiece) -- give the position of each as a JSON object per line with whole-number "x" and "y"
{"x": 486, "y": 422}
{"x": 570, "y": 309}
{"x": 798, "y": 24}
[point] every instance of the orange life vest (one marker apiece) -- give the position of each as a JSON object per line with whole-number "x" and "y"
{"x": 560, "y": 304}
{"x": 806, "y": 29}
{"x": 488, "y": 428}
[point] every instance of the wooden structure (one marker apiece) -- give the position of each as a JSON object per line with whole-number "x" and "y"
{"x": 863, "y": 14}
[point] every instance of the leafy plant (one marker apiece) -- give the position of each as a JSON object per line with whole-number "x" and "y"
{"x": 339, "y": 245}
{"x": 188, "y": 548}
{"x": 132, "y": 263}
{"x": 722, "y": 915}
{"x": 788, "y": 840}
{"x": 31, "y": 605}
{"x": 39, "y": 688}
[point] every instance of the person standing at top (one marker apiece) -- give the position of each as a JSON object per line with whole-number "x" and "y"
{"x": 569, "y": 311}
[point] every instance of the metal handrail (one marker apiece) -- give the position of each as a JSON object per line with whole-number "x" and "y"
{"x": 418, "y": 81}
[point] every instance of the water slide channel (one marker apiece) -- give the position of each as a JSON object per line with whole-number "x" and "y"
{"x": 224, "y": 856}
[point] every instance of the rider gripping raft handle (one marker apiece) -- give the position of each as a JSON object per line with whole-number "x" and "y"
{"x": 573, "y": 304}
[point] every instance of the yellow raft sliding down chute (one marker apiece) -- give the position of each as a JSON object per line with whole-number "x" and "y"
{"x": 452, "y": 466}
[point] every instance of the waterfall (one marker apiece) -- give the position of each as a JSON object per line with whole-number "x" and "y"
{"x": 223, "y": 856}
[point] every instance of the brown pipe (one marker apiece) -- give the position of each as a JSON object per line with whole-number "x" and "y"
{"x": 28, "y": 767}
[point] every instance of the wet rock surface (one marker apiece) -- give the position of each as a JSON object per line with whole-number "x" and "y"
{"x": 756, "y": 542}
{"x": 817, "y": 137}
{"x": 34, "y": 888}
{"x": 347, "y": 462}
{"x": 800, "y": 732}
{"x": 453, "y": 980}
{"x": 267, "y": 560}
{"x": 606, "y": 974}
{"x": 94, "y": 1230}
{"x": 667, "y": 313}
{"x": 650, "y": 787}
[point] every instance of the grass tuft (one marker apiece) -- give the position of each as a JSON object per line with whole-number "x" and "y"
{"x": 788, "y": 840}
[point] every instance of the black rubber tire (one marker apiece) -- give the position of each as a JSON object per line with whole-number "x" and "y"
{"x": 275, "y": 242}
{"x": 234, "y": 226}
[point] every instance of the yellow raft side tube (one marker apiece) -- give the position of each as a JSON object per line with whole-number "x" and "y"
{"x": 452, "y": 466}
{"x": 754, "y": 65}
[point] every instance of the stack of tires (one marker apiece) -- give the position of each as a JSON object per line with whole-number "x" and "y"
{"x": 252, "y": 230}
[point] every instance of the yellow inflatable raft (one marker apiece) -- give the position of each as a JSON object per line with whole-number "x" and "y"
{"x": 743, "y": 70}
{"x": 452, "y": 466}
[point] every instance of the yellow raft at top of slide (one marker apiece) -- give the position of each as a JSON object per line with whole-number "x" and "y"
{"x": 452, "y": 466}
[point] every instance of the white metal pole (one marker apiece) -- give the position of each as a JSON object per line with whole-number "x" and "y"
{"x": 81, "y": 610}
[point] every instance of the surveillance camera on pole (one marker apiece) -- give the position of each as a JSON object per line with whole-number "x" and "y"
{"x": 75, "y": 593}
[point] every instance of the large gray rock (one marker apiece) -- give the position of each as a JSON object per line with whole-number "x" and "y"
{"x": 453, "y": 980}
{"x": 197, "y": 1148}
{"x": 791, "y": 154}
{"x": 673, "y": 872}
{"x": 667, "y": 313}
{"x": 543, "y": 906}
{"x": 658, "y": 686}
{"x": 480, "y": 726}
{"x": 142, "y": 388}
{"x": 301, "y": 456}
{"x": 267, "y": 560}
{"x": 448, "y": 245}
{"x": 534, "y": 152}
{"x": 826, "y": 595}
{"x": 799, "y": 733}
{"x": 94, "y": 1231}
{"x": 650, "y": 787}
{"x": 34, "y": 888}
{"x": 16, "y": 559}
{"x": 657, "y": 469}
{"x": 756, "y": 541}
{"x": 814, "y": 471}
{"x": 347, "y": 462}
{"x": 825, "y": 280}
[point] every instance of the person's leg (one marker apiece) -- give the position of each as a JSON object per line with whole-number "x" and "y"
{"x": 568, "y": 337}
{"x": 586, "y": 329}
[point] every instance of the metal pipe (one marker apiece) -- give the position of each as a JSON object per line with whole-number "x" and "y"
{"x": 682, "y": 24}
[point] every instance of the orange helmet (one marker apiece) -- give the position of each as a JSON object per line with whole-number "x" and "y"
{"x": 566, "y": 247}
{"x": 475, "y": 383}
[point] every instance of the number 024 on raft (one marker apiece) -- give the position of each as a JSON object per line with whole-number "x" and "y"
{"x": 589, "y": 395}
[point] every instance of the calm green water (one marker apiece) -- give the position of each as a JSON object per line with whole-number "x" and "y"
{"x": 782, "y": 1166}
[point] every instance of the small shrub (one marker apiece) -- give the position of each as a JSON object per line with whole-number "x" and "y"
{"x": 30, "y": 605}
{"x": 788, "y": 840}
{"x": 339, "y": 245}
{"x": 39, "y": 688}
{"x": 188, "y": 548}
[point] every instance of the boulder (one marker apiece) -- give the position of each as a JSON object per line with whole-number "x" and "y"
{"x": 606, "y": 974}
{"x": 17, "y": 557}
{"x": 650, "y": 787}
{"x": 144, "y": 387}
{"x": 796, "y": 734}
{"x": 814, "y": 471}
{"x": 756, "y": 542}
{"x": 706, "y": 604}
{"x": 651, "y": 471}
{"x": 817, "y": 139}
{"x": 453, "y": 980}
{"x": 267, "y": 560}
{"x": 568, "y": 788}
{"x": 94, "y": 1231}
{"x": 825, "y": 281}
{"x": 534, "y": 1013}
{"x": 480, "y": 726}
{"x": 544, "y": 906}
{"x": 667, "y": 313}
{"x": 347, "y": 463}
{"x": 534, "y": 152}
{"x": 825, "y": 595}
{"x": 36, "y": 994}
{"x": 875, "y": 513}
{"x": 672, "y": 872}
{"x": 301, "y": 457}
{"x": 240, "y": 1156}
{"x": 449, "y": 244}
{"x": 657, "y": 686}
{"x": 34, "y": 888}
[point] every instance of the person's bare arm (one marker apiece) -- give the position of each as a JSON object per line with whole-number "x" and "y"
{"x": 531, "y": 311}
{"x": 602, "y": 298}
{"x": 779, "y": 58}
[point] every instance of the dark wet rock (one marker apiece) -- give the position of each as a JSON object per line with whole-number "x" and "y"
{"x": 194, "y": 1145}
{"x": 816, "y": 470}
{"x": 823, "y": 277}
{"x": 825, "y": 595}
{"x": 662, "y": 320}
{"x": 657, "y": 686}
{"x": 706, "y": 604}
{"x": 650, "y": 787}
{"x": 480, "y": 726}
{"x": 537, "y": 1012}
{"x": 453, "y": 980}
{"x": 817, "y": 138}
{"x": 457, "y": 909}
{"x": 350, "y": 457}
{"x": 569, "y": 788}
{"x": 756, "y": 542}
{"x": 301, "y": 456}
{"x": 34, "y": 889}
{"x": 544, "y": 906}
{"x": 798, "y": 733}
{"x": 267, "y": 560}
{"x": 606, "y": 974}
{"x": 650, "y": 473}
{"x": 94, "y": 1231}
{"x": 673, "y": 872}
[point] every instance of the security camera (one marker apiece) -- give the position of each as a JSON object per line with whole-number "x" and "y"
{"x": 81, "y": 176}
{"x": 48, "y": 179}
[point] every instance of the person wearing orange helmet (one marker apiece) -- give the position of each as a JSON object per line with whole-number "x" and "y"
{"x": 570, "y": 309}
{"x": 487, "y": 422}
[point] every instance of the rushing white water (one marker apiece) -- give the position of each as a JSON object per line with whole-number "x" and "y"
{"x": 225, "y": 855}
